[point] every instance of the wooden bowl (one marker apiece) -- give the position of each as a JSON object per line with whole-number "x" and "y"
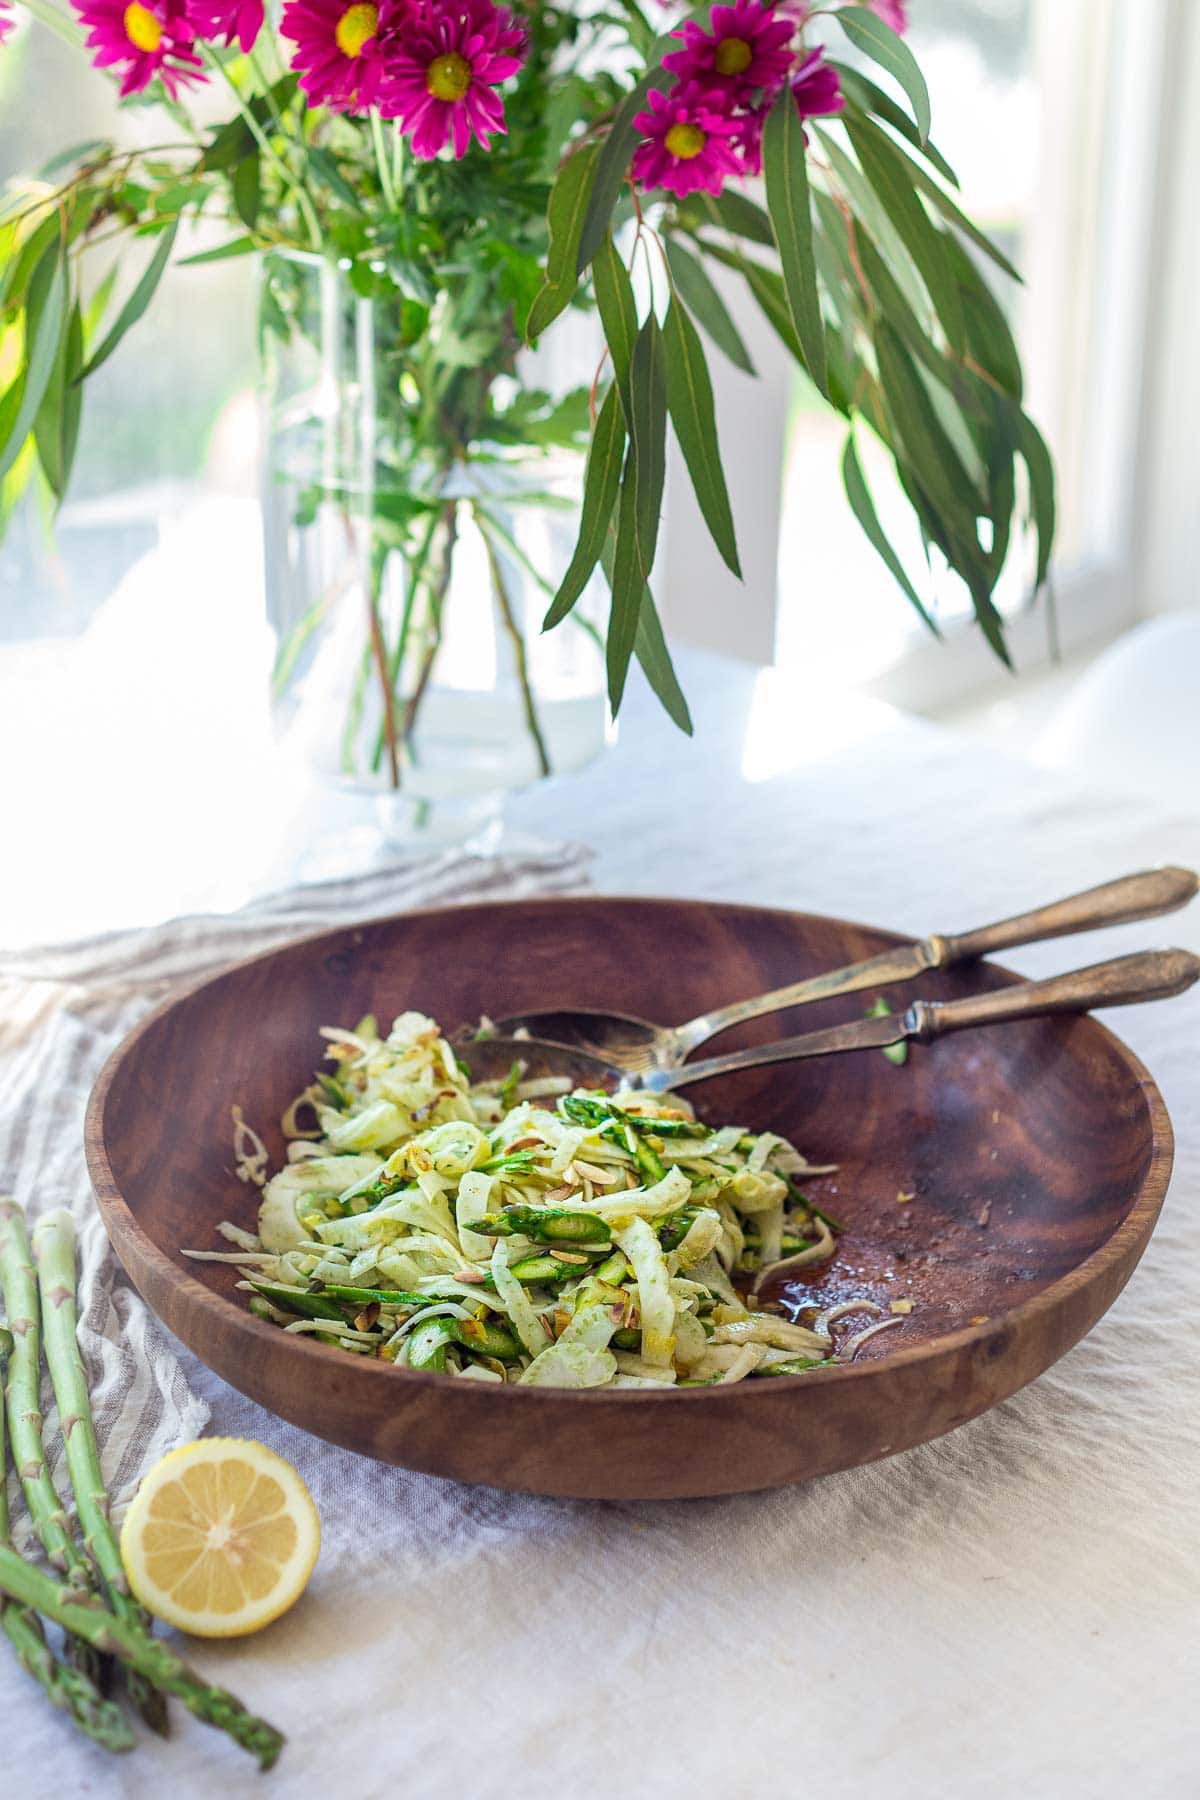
{"x": 1036, "y": 1157}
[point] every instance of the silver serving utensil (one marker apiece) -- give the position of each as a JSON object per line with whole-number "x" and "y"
{"x": 1125, "y": 981}
{"x": 635, "y": 1046}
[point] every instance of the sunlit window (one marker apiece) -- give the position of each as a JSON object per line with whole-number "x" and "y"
{"x": 838, "y": 608}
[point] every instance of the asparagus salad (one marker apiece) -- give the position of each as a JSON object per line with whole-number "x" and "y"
{"x": 512, "y": 1231}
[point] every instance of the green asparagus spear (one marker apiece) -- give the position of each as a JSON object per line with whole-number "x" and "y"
{"x": 135, "y": 1647}
{"x": 54, "y": 1252}
{"x": 798, "y": 1365}
{"x": 613, "y": 1270}
{"x": 65, "y": 1687}
{"x": 25, "y": 1426}
{"x": 488, "y": 1339}
{"x": 308, "y": 1306}
{"x": 543, "y": 1270}
{"x": 360, "y": 1296}
{"x": 427, "y": 1345}
{"x": 546, "y": 1225}
{"x": 672, "y": 1231}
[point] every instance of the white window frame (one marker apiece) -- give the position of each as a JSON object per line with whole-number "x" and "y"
{"x": 1106, "y": 76}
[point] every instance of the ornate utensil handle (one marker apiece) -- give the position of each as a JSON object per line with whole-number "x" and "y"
{"x": 1147, "y": 975}
{"x": 1144, "y": 896}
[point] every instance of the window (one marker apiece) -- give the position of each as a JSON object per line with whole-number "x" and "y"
{"x": 1051, "y": 112}
{"x": 169, "y": 419}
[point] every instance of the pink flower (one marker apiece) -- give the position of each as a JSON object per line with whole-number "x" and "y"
{"x": 339, "y": 49}
{"x": 228, "y": 19}
{"x": 892, "y": 12}
{"x": 7, "y": 22}
{"x": 749, "y": 47}
{"x": 444, "y": 69}
{"x": 816, "y": 87}
{"x": 689, "y": 141}
{"x": 143, "y": 38}
{"x": 749, "y": 140}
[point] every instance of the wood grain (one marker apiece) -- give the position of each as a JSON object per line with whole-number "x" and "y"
{"x": 1036, "y": 1156}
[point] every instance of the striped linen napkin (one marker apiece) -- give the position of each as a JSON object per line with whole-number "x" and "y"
{"x": 62, "y": 1010}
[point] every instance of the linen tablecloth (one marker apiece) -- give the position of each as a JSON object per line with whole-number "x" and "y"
{"x": 1009, "y": 1611}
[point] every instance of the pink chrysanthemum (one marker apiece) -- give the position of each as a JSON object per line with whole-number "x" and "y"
{"x": 689, "y": 142}
{"x": 444, "y": 71}
{"x": 339, "y": 50}
{"x": 892, "y": 12}
{"x": 143, "y": 38}
{"x": 816, "y": 88}
{"x": 227, "y": 20}
{"x": 748, "y": 141}
{"x": 749, "y": 47}
{"x": 7, "y": 22}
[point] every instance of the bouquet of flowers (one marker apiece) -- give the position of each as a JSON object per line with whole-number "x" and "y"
{"x": 475, "y": 170}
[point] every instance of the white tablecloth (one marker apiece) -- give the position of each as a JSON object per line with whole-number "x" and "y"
{"x": 1010, "y": 1611}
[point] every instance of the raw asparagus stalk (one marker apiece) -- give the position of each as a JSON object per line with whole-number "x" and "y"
{"x": 25, "y": 1425}
{"x": 54, "y": 1252}
{"x": 133, "y": 1646}
{"x": 64, "y": 1687}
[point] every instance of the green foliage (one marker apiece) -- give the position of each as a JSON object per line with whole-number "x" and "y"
{"x": 862, "y": 261}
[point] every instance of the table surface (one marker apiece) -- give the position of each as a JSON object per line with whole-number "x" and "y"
{"x": 1010, "y": 1610}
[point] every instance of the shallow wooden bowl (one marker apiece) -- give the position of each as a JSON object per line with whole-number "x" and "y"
{"x": 1036, "y": 1157}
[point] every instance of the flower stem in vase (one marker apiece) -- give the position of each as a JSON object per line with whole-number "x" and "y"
{"x": 415, "y": 566}
{"x": 437, "y": 592}
{"x": 379, "y": 655}
{"x": 518, "y": 643}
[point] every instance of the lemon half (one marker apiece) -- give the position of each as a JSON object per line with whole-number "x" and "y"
{"x": 221, "y": 1537}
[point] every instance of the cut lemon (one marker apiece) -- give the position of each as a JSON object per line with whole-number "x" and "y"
{"x": 221, "y": 1537}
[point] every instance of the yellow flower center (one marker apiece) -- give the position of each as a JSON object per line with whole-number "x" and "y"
{"x": 733, "y": 55}
{"x": 356, "y": 27}
{"x": 448, "y": 77}
{"x": 141, "y": 27}
{"x": 685, "y": 141}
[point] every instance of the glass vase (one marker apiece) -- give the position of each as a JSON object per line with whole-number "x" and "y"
{"x": 407, "y": 603}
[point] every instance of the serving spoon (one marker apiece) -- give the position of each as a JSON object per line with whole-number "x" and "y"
{"x": 1124, "y": 981}
{"x": 635, "y": 1046}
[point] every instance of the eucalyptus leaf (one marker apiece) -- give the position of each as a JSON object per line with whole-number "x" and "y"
{"x": 934, "y": 458}
{"x": 612, "y": 163}
{"x": 45, "y": 321}
{"x": 743, "y": 217}
{"x": 601, "y": 484}
{"x": 1041, "y": 492}
{"x": 890, "y": 173}
{"x": 618, "y": 314}
{"x": 91, "y": 150}
{"x": 20, "y": 269}
{"x": 863, "y": 507}
{"x": 325, "y": 165}
{"x": 246, "y": 188}
{"x": 690, "y": 401}
{"x": 650, "y": 648}
{"x": 868, "y": 33}
{"x": 242, "y": 246}
{"x": 858, "y": 87}
{"x": 56, "y": 428}
{"x": 767, "y": 288}
{"x": 648, "y": 433}
{"x": 564, "y": 216}
{"x": 627, "y": 583}
{"x": 136, "y": 304}
{"x": 785, "y": 167}
{"x": 696, "y": 290}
